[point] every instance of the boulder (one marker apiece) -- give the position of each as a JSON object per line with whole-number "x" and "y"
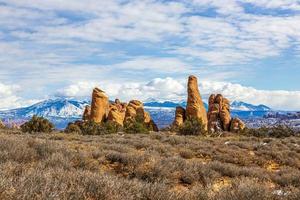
{"x": 219, "y": 118}
{"x": 131, "y": 110}
{"x": 135, "y": 112}
{"x": 87, "y": 113}
{"x": 225, "y": 114}
{"x": 116, "y": 114}
{"x": 237, "y": 125}
{"x": 179, "y": 116}
{"x": 100, "y": 106}
{"x": 195, "y": 107}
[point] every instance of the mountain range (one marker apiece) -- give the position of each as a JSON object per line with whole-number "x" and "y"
{"x": 61, "y": 111}
{"x": 235, "y": 105}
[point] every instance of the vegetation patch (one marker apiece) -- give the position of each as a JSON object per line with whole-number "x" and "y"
{"x": 37, "y": 125}
{"x": 148, "y": 166}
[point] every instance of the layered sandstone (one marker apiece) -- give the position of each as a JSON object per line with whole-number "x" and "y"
{"x": 179, "y": 116}
{"x": 195, "y": 107}
{"x": 218, "y": 113}
{"x": 117, "y": 111}
{"x": 120, "y": 113}
{"x": 131, "y": 110}
{"x": 135, "y": 112}
{"x": 219, "y": 118}
{"x": 100, "y": 106}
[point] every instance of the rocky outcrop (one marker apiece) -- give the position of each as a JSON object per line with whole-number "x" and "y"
{"x": 195, "y": 107}
{"x": 179, "y": 116}
{"x": 217, "y": 118}
{"x": 131, "y": 110}
{"x": 225, "y": 114}
{"x": 100, "y": 106}
{"x": 237, "y": 125}
{"x": 118, "y": 112}
{"x": 87, "y": 113}
{"x": 218, "y": 115}
{"x": 135, "y": 112}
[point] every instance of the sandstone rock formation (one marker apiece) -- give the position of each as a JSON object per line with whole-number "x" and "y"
{"x": 195, "y": 107}
{"x": 237, "y": 125}
{"x": 116, "y": 113}
{"x": 131, "y": 110}
{"x": 225, "y": 114}
{"x": 135, "y": 112}
{"x": 104, "y": 111}
{"x": 218, "y": 115}
{"x": 100, "y": 106}
{"x": 179, "y": 116}
{"x": 87, "y": 113}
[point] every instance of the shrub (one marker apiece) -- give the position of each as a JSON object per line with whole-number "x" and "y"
{"x": 73, "y": 128}
{"x": 279, "y": 131}
{"x": 136, "y": 127}
{"x": 192, "y": 126}
{"x": 37, "y": 124}
{"x": 93, "y": 128}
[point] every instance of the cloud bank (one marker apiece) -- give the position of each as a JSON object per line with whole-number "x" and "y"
{"x": 165, "y": 89}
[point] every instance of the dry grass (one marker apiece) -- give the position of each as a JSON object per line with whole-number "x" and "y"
{"x": 154, "y": 166}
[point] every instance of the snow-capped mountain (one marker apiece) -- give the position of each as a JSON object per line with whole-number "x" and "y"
{"x": 242, "y": 106}
{"x": 235, "y": 105}
{"x": 64, "y": 108}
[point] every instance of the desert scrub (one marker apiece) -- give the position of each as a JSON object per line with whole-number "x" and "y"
{"x": 192, "y": 126}
{"x": 92, "y": 128}
{"x": 279, "y": 131}
{"x": 37, "y": 124}
{"x": 73, "y": 128}
{"x": 148, "y": 166}
{"x": 136, "y": 127}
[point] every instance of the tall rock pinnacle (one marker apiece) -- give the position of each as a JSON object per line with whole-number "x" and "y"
{"x": 195, "y": 107}
{"x": 100, "y": 106}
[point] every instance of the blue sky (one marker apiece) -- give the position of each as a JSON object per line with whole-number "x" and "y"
{"x": 248, "y": 50}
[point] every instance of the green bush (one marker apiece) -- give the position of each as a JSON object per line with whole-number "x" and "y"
{"x": 279, "y": 131}
{"x": 192, "y": 126}
{"x": 73, "y": 128}
{"x": 135, "y": 127}
{"x": 93, "y": 128}
{"x": 37, "y": 124}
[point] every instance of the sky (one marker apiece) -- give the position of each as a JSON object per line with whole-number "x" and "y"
{"x": 145, "y": 49}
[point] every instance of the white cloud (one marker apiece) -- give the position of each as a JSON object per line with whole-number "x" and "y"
{"x": 165, "y": 89}
{"x": 231, "y": 37}
{"x": 9, "y": 98}
{"x": 281, "y": 4}
{"x": 277, "y": 99}
{"x": 170, "y": 65}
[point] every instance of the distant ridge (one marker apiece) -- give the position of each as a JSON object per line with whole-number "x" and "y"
{"x": 61, "y": 111}
{"x": 235, "y": 105}
{"x": 49, "y": 108}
